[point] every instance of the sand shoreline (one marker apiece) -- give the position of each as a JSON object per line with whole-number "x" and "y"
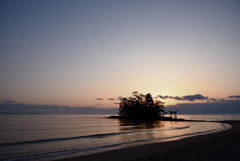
{"x": 222, "y": 146}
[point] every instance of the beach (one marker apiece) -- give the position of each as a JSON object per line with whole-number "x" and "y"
{"x": 220, "y": 146}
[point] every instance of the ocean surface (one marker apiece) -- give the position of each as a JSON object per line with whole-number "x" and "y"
{"x": 49, "y": 137}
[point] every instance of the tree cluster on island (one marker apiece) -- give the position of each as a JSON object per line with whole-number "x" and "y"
{"x": 141, "y": 106}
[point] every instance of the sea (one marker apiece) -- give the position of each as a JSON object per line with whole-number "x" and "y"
{"x": 47, "y": 137}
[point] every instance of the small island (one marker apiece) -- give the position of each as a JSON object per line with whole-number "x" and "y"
{"x": 142, "y": 107}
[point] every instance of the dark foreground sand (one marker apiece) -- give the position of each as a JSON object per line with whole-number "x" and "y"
{"x": 222, "y": 146}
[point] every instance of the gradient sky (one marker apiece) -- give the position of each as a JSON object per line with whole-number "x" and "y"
{"x": 71, "y": 52}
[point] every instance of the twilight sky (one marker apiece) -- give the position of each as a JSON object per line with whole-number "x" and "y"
{"x": 72, "y": 52}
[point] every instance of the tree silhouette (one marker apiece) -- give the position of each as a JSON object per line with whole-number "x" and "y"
{"x": 140, "y": 106}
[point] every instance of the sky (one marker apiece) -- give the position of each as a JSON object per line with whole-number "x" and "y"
{"x": 80, "y": 53}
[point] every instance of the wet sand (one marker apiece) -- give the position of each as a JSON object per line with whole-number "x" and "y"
{"x": 221, "y": 146}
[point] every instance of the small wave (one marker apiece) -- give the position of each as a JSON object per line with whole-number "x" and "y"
{"x": 70, "y": 151}
{"x": 225, "y": 127}
{"x": 86, "y": 136}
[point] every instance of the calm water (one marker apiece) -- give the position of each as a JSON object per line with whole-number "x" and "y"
{"x": 49, "y": 137}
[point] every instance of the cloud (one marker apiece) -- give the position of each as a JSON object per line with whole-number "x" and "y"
{"x": 116, "y": 103}
{"x": 235, "y": 96}
{"x": 219, "y": 107}
{"x": 163, "y": 97}
{"x": 194, "y": 97}
{"x": 6, "y": 100}
{"x": 52, "y": 109}
{"x": 111, "y": 99}
{"x": 99, "y": 99}
{"x": 185, "y": 98}
{"x": 216, "y": 99}
{"x": 213, "y": 99}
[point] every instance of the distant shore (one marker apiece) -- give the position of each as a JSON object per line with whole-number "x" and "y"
{"x": 220, "y": 146}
